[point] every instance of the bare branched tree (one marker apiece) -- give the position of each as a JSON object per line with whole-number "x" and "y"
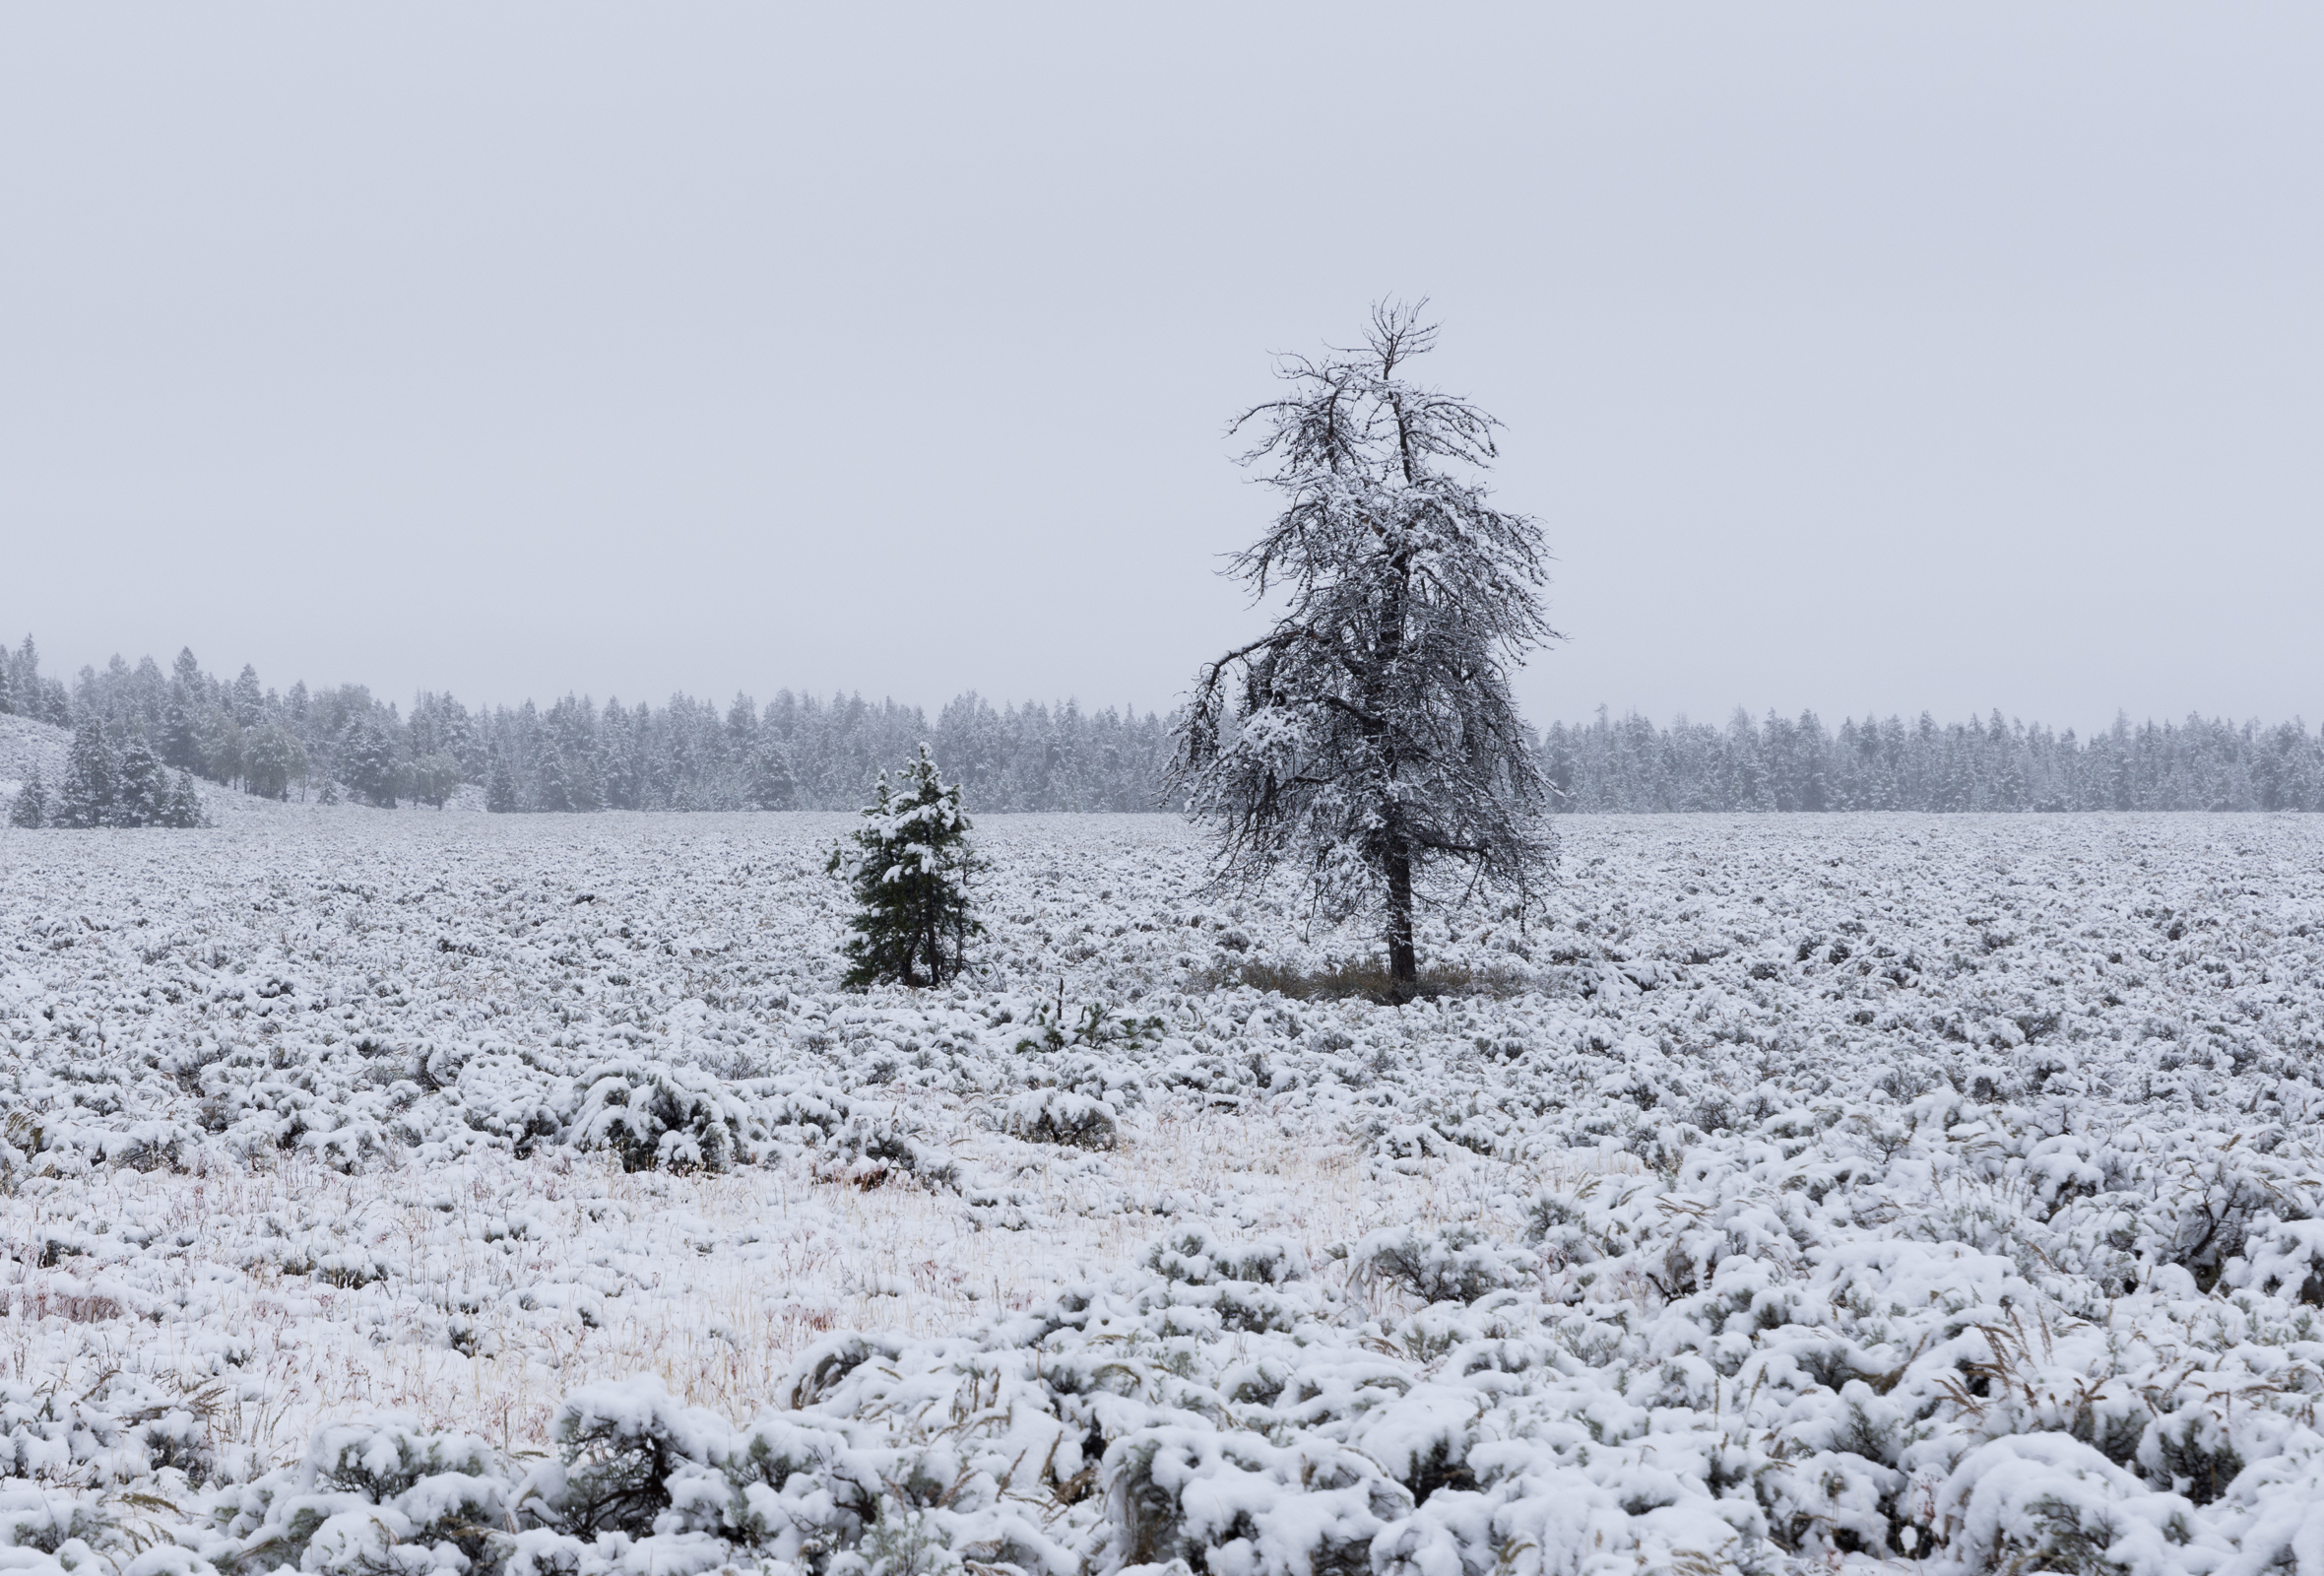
{"x": 1371, "y": 733}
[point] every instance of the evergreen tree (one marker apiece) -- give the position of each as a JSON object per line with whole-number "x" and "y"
{"x": 435, "y": 779}
{"x": 142, "y": 797}
{"x": 6, "y": 687}
{"x": 32, "y": 802}
{"x": 272, "y": 760}
{"x": 92, "y": 784}
{"x": 182, "y": 807}
{"x": 908, "y": 870}
{"x": 181, "y": 737}
{"x": 553, "y": 788}
{"x": 771, "y": 783}
{"x": 500, "y": 785}
{"x": 369, "y": 762}
{"x": 249, "y": 704}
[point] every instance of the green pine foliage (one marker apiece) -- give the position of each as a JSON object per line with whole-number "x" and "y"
{"x": 909, "y": 868}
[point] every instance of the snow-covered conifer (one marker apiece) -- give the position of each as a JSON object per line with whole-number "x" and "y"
{"x": 142, "y": 793}
{"x": 909, "y": 869}
{"x": 553, "y": 787}
{"x": 182, "y": 805}
{"x": 92, "y": 785}
{"x": 500, "y": 785}
{"x": 772, "y": 785}
{"x": 272, "y": 760}
{"x": 1371, "y": 733}
{"x": 32, "y": 802}
{"x": 248, "y": 700}
{"x": 369, "y": 764}
{"x": 435, "y": 778}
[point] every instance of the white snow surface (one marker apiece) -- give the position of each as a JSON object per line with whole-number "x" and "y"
{"x": 517, "y": 1195}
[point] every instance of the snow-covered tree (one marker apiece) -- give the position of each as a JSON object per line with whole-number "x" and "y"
{"x": 771, "y": 782}
{"x": 142, "y": 795}
{"x": 551, "y": 787}
{"x": 500, "y": 785}
{"x": 272, "y": 760}
{"x": 909, "y": 869}
{"x": 92, "y": 784}
{"x": 1371, "y": 731}
{"x": 367, "y": 761}
{"x": 435, "y": 779}
{"x": 182, "y": 807}
{"x": 32, "y": 802}
{"x": 247, "y": 699}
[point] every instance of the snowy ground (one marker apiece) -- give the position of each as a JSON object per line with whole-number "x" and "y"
{"x": 1935, "y": 1190}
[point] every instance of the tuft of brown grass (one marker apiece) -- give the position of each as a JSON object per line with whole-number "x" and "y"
{"x": 1366, "y": 980}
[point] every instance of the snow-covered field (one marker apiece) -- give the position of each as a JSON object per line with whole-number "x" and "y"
{"x": 387, "y": 1193}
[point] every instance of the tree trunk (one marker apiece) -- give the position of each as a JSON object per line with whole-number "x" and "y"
{"x": 1403, "y": 964}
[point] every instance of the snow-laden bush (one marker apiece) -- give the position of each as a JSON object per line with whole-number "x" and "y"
{"x": 1060, "y": 1116}
{"x": 1875, "y": 1254}
{"x": 657, "y": 1116}
{"x": 1451, "y": 1263}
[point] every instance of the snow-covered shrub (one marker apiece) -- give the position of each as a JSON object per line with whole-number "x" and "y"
{"x": 622, "y": 1444}
{"x": 1060, "y": 1116}
{"x": 1764, "y": 1264}
{"x": 1448, "y": 1263}
{"x": 658, "y": 1116}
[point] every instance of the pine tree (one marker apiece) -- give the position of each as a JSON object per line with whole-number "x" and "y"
{"x": 369, "y": 764}
{"x": 553, "y": 788}
{"x": 142, "y": 795}
{"x": 435, "y": 779}
{"x": 771, "y": 783}
{"x": 32, "y": 802}
{"x": 499, "y": 786}
{"x": 7, "y": 687}
{"x": 248, "y": 700}
{"x": 182, "y": 807}
{"x": 272, "y": 760}
{"x": 182, "y": 739}
{"x": 92, "y": 784}
{"x": 908, "y": 870}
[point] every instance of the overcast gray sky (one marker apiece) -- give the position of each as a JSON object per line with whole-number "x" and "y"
{"x": 1856, "y": 356}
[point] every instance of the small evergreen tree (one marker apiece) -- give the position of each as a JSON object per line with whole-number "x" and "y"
{"x": 32, "y": 802}
{"x": 908, "y": 869}
{"x": 369, "y": 762}
{"x": 182, "y": 806}
{"x": 91, "y": 782}
{"x": 142, "y": 798}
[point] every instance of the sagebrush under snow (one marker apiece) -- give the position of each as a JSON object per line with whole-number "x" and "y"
{"x": 417, "y": 1192}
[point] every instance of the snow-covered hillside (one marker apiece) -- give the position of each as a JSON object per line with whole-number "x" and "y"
{"x": 415, "y": 1192}
{"x": 25, "y": 745}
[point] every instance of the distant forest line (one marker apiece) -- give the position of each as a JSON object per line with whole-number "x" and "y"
{"x": 798, "y": 752}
